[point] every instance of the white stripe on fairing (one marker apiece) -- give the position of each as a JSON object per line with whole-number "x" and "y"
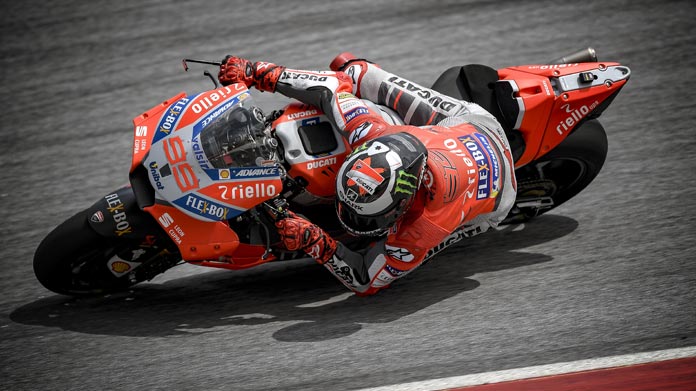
{"x": 540, "y": 370}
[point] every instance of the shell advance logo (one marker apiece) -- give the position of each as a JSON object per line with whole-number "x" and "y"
{"x": 244, "y": 173}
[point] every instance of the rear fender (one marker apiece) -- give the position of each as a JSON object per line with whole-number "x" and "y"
{"x": 117, "y": 215}
{"x": 549, "y": 101}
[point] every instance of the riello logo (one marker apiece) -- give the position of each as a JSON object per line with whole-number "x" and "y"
{"x": 575, "y": 115}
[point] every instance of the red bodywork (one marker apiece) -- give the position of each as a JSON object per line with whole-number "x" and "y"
{"x": 548, "y": 118}
{"x": 320, "y": 172}
{"x": 203, "y": 243}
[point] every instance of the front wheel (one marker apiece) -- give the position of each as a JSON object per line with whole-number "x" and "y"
{"x": 561, "y": 174}
{"x": 74, "y": 260}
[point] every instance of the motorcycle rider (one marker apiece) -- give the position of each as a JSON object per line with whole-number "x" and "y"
{"x": 415, "y": 189}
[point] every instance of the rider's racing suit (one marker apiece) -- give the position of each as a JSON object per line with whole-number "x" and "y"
{"x": 469, "y": 184}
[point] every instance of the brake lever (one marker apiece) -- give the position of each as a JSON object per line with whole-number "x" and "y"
{"x": 206, "y": 73}
{"x": 215, "y": 83}
{"x": 277, "y": 208}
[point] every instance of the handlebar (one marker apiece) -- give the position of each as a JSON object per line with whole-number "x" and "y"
{"x": 277, "y": 208}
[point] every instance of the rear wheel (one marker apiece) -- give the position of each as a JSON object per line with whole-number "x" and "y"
{"x": 556, "y": 177}
{"x": 75, "y": 260}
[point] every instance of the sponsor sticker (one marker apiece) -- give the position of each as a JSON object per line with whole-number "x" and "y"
{"x": 166, "y": 220}
{"x": 341, "y": 269}
{"x": 399, "y": 253}
{"x": 204, "y": 207}
{"x": 366, "y": 177}
{"x": 351, "y": 115}
{"x": 97, "y": 217}
{"x": 383, "y": 279}
{"x": 118, "y": 213}
{"x": 254, "y": 172}
{"x": 360, "y": 132}
{"x": 394, "y": 271}
{"x": 223, "y": 107}
{"x": 473, "y": 145}
{"x": 119, "y": 267}
{"x": 495, "y": 165}
{"x": 321, "y": 163}
{"x": 169, "y": 119}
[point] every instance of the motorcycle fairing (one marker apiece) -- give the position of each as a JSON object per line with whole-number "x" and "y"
{"x": 312, "y": 147}
{"x": 555, "y": 98}
{"x": 197, "y": 240}
{"x": 117, "y": 215}
{"x": 192, "y": 200}
{"x": 145, "y": 130}
{"x": 179, "y": 170}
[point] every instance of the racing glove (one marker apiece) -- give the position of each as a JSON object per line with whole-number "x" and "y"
{"x": 262, "y": 75}
{"x": 300, "y": 234}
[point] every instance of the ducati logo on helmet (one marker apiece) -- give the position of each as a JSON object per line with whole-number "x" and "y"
{"x": 365, "y": 176}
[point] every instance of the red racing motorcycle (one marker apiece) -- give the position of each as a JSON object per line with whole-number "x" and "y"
{"x": 210, "y": 173}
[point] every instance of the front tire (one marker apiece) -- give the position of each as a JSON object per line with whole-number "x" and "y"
{"x": 73, "y": 260}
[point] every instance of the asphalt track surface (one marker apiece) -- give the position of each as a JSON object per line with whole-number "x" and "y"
{"x": 611, "y": 272}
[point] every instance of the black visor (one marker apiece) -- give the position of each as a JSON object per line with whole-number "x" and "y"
{"x": 377, "y": 225}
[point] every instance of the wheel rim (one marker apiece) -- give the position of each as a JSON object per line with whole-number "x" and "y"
{"x": 565, "y": 173}
{"x": 88, "y": 265}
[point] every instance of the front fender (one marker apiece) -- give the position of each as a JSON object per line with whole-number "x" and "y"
{"x": 117, "y": 215}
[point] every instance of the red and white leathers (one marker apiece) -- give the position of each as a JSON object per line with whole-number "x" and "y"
{"x": 469, "y": 184}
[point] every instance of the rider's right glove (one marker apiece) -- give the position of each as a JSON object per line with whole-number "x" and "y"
{"x": 262, "y": 75}
{"x": 300, "y": 234}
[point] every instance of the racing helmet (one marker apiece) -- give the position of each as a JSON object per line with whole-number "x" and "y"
{"x": 378, "y": 182}
{"x": 239, "y": 138}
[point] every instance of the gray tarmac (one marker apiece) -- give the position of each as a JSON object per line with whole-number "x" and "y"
{"x": 610, "y": 272}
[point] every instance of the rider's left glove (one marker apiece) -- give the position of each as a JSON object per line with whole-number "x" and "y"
{"x": 261, "y": 75}
{"x": 236, "y": 70}
{"x": 299, "y": 234}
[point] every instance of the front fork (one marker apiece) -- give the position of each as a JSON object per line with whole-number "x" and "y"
{"x": 144, "y": 249}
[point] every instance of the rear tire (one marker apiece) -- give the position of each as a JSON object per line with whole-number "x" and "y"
{"x": 562, "y": 173}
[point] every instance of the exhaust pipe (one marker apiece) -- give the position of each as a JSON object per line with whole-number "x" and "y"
{"x": 584, "y": 55}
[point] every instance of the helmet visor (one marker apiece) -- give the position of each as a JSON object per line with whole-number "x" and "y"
{"x": 376, "y": 225}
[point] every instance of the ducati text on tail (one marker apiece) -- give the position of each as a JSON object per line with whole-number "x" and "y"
{"x": 210, "y": 173}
